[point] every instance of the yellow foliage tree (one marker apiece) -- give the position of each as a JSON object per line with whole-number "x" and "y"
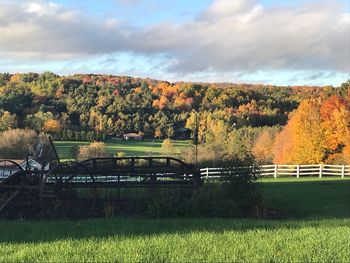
{"x": 303, "y": 138}
{"x": 318, "y": 132}
{"x": 336, "y": 124}
{"x": 52, "y": 126}
{"x": 167, "y": 147}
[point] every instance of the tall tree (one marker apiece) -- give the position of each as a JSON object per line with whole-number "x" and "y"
{"x": 303, "y": 138}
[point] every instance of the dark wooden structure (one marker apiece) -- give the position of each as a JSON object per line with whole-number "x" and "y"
{"x": 77, "y": 188}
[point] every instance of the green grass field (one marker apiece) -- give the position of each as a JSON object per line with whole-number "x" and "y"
{"x": 309, "y": 197}
{"x": 130, "y": 148}
{"x": 318, "y": 230}
{"x": 176, "y": 240}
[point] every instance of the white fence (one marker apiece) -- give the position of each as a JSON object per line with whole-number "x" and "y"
{"x": 279, "y": 170}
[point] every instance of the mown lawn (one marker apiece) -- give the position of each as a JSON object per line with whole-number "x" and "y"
{"x": 318, "y": 230}
{"x": 130, "y": 148}
{"x": 309, "y": 197}
{"x": 176, "y": 240}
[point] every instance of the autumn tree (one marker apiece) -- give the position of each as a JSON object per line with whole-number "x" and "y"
{"x": 303, "y": 138}
{"x": 168, "y": 147}
{"x": 52, "y": 126}
{"x": 7, "y": 121}
{"x": 318, "y": 132}
{"x": 335, "y": 114}
{"x": 95, "y": 149}
{"x": 37, "y": 121}
{"x": 263, "y": 148}
{"x": 17, "y": 143}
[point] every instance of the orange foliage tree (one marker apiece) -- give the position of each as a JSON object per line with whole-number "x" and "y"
{"x": 318, "y": 132}
{"x": 52, "y": 126}
{"x": 263, "y": 148}
{"x": 170, "y": 97}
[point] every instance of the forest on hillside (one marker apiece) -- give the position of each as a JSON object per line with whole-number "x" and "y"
{"x": 231, "y": 119}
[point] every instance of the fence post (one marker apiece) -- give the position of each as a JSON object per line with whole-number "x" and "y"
{"x": 342, "y": 171}
{"x": 298, "y": 171}
{"x": 207, "y": 172}
{"x": 320, "y": 175}
{"x": 276, "y": 171}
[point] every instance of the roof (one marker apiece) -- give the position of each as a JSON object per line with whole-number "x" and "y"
{"x": 24, "y": 163}
{"x": 9, "y": 164}
{"x": 132, "y": 134}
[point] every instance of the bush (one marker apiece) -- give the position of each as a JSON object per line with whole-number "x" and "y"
{"x": 95, "y": 149}
{"x": 240, "y": 177}
{"x": 17, "y": 143}
{"x": 169, "y": 203}
{"x": 212, "y": 200}
{"x": 167, "y": 147}
{"x": 235, "y": 194}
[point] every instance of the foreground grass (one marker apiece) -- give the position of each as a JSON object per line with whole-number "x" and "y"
{"x": 180, "y": 240}
{"x": 318, "y": 231}
{"x": 130, "y": 148}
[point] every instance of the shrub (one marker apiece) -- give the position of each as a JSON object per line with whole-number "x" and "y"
{"x": 17, "y": 143}
{"x": 75, "y": 151}
{"x": 95, "y": 149}
{"x": 167, "y": 147}
{"x": 169, "y": 203}
{"x": 120, "y": 154}
{"x": 240, "y": 179}
{"x": 212, "y": 200}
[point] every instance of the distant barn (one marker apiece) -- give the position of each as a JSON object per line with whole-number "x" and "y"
{"x": 132, "y": 136}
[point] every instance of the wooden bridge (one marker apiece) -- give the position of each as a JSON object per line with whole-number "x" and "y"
{"x": 91, "y": 180}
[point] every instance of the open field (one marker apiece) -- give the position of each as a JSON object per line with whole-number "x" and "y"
{"x": 309, "y": 197}
{"x": 180, "y": 240}
{"x": 130, "y": 148}
{"x": 318, "y": 231}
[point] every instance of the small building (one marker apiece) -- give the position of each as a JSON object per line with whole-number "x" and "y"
{"x": 183, "y": 133}
{"x": 8, "y": 167}
{"x": 132, "y": 136}
{"x": 33, "y": 165}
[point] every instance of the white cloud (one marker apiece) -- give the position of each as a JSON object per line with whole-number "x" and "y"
{"x": 41, "y": 9}
{"x": 230, "y": 36}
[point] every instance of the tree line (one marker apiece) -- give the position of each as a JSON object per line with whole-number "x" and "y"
{"x": 114, "y": 105}
{"x": 273, "y": 123}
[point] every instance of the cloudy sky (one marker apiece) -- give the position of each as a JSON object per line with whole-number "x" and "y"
{"x": 291, "y": 42}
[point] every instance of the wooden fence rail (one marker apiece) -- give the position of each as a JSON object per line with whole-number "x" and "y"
{"x": 297, "y": 170}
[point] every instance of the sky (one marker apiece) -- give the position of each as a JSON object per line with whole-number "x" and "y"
{"x": 291, "y": 42}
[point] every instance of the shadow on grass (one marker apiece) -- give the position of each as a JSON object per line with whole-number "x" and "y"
{"x": 315, "y": 204}
{"x": 24, "y": 232}
{"x": 304, "y": 199}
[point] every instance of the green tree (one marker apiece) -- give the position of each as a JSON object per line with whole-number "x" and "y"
{"x": 7, "y": 120}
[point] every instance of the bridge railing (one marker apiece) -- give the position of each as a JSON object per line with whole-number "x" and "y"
{"x": 286, "y": 170}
